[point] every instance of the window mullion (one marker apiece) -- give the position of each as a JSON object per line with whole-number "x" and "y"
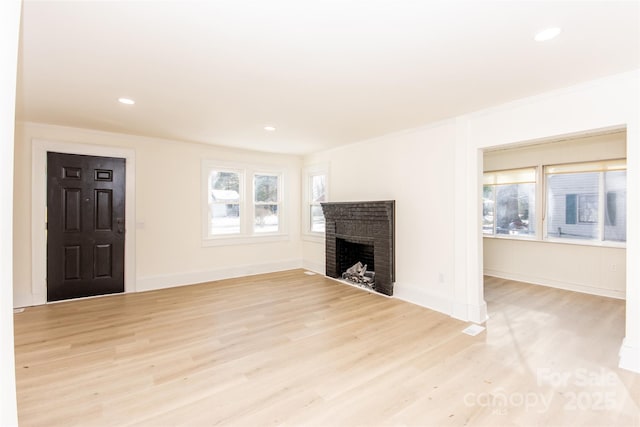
{"x": 241, "y": 201}
{"x": 250, "y": 202}
{"x": 541, "y": 206}
{"x": 495, "y": 208}
{"x": 601, "y": 206}
{"x": 242, "y": 178}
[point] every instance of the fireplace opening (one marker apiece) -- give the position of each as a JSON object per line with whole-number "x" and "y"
{"x": 356, "y": 262}
{"x": 361, "y": 232}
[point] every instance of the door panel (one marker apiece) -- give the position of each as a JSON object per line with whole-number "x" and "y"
{"x": 72, "y": 263}
{"x": 103, "y": 210}
{"x": 85, "y": 230}
{"x": 71, "y": 211}
{"x": 102, "y": 263}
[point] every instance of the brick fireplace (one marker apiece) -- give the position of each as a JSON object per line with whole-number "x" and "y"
{"x": 361, "y": 232}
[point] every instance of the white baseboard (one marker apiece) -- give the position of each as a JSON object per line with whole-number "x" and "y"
{"x": 188, "y": 278}
{"x": 316, "y": 267}
{"x": 470, "y": 313}
{"x": 423, "y": 298}
{"x": 21, "y": 300}
{"x": 629, "y": 357}
{"x": 180, "y": 279}
{"x": 575, "y": 287}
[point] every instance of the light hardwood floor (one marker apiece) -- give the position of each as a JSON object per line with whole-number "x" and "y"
{"x": 292, "y": 349}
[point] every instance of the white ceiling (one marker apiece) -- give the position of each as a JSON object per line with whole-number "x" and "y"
{"x": 325, "y": 73}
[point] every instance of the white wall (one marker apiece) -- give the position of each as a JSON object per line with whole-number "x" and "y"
{"x": 168, "y": 243}
{"x": 415, "y": 169}
{"x": 589, "y": 269}
{"x": 606, "y": 103}
{"x": 434, "y": 174}
{"x": 610, "y": 145}
{"x": 9, "y": 27}
{"x": 585, "y": 268}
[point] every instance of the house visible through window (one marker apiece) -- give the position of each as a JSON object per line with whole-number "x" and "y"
{"x": 241, "y": 202}
{"x": 224, "y": 202}
{"x": 586, "y": 201}
{"x": 588, "y": 208}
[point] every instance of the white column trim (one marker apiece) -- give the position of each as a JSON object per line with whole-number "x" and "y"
{"x": 630, "y": 347}
{"x": 468, "y": 292}
{"x": 9, "y": 43}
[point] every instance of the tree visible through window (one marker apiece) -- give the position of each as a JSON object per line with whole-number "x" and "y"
{"x": 241, "y": 202}
{"x": 224, "y": 202}
{"x": 266, "y": 203}
{"x": 509, "y": 202}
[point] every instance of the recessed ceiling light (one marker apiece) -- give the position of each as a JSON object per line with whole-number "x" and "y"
{"x": 547, "y": 34}
{"x": 127, "y": 101}
{"x": 269, "y": 128}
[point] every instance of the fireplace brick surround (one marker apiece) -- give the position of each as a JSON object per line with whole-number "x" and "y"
{"x": 370, "y": 225}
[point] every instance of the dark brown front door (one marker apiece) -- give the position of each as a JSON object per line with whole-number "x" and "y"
{"x": 85, "y": 225}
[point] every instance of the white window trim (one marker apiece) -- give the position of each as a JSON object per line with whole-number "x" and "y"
{"x": 541, "y": 207}
{"x": 308, "y": 172}
{"x": 600, "y": 166}
{"x": 582, "y": 242}
{"x": 254, "y": 203}
{"x": 490, "y": 178}
{"x": 247, "y": 205}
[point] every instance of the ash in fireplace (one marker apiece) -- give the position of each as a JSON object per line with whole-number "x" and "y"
{"x": 359, "y": 275}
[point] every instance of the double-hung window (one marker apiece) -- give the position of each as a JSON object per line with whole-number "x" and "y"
{"x": 241, "y": 203}
{"x": 224, "y": 189}
{"x": 266, "y": 196}
{"x": 587, "y": 201}
{"x": 315, "y": 192}
{"x": 509, "y": 202}
{"x": 318, "y": 187}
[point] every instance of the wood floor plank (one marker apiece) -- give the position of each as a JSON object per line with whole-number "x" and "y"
{"x": 292, "y": 349}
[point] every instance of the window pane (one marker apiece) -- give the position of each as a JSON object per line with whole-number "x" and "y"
{"x": 318, "y": 193}
{"x": 266, "y": 188}
{"x": 587, "y": 208}
{"x": 515, "y": 209}
{"x": 224, "y": 199}
{"x": 266, "y": 219}
{"x": 487, "y": 209}
{"x": 572, "y": 205}
{"x": 225, "y": 181}
{"x": 317, "y": 219}
{"x": 615, "y": 225}
{"x": 225, "y": 218}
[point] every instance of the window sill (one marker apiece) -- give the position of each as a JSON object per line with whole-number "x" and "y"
{"x": 575, "y": 242}
{"x": 244, "y": 240}
{"x": 600, "y": 244}
{"x": 511, "y": 237}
